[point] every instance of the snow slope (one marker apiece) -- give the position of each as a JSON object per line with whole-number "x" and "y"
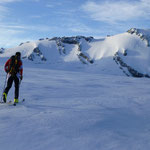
{"x": 69, "y": 110}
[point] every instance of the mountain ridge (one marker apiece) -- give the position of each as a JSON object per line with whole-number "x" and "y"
{"x": 130, "y": 51}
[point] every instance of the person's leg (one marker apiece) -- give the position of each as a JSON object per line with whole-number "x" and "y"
{"x": 16, "y": 80}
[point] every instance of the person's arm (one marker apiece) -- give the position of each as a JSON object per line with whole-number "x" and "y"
{"x": 6, "y": 67}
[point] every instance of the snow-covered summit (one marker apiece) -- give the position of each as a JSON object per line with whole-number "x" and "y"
{"x": 143, "y": 34}
{"x": 128, "y": 51}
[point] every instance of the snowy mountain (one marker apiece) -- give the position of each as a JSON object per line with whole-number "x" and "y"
{"x": 129, "y": 51}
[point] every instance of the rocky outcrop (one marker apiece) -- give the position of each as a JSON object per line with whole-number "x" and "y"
{"x": 128, "y": 70}
{"x": 60, "y": 46}
{"x": 82, "y": 57}
{"x": 2, "y": 50}
{"x": 73, "y": 40}
{"x": 36, "y": 52}
{"x": 144, "y": 37}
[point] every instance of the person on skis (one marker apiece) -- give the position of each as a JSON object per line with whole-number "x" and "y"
{"x": 14, "y": 69}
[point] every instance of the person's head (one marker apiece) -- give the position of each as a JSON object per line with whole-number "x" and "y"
{"x": 18, "y": 55}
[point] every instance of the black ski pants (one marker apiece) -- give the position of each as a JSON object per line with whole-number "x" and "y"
{"x": 9, "y": 85}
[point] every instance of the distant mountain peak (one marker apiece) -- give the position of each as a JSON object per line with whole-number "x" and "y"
{"x": 143, "y": 34}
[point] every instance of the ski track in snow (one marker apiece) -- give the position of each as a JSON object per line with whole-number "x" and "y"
{"x": 66, "y": 110}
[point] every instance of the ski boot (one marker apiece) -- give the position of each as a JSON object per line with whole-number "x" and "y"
{"x": 16, "y": 100}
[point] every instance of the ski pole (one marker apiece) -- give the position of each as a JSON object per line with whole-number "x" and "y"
{"x": 19, "y": 82}
{"x": 4, "y": 88}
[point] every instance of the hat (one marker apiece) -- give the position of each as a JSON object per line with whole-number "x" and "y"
{"x": 18, "y": 54}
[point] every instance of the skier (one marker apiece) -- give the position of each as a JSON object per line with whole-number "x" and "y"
{"x": 14, "y": 69}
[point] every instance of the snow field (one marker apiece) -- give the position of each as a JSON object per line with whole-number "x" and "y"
{"x": 74, "y": 110}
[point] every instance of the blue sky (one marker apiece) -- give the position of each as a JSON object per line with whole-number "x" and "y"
{"x": 24, "y": 20}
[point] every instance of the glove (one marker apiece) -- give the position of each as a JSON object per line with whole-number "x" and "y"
{"x": 21, "y": 77}
{"x": 7, "y": 71}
